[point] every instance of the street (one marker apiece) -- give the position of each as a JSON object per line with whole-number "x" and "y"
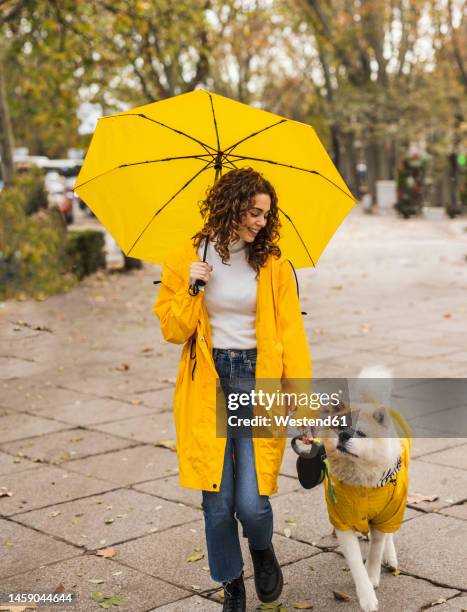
{"x": 87, "y": 460}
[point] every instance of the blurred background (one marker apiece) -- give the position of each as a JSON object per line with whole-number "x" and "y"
{"x": 382, "y": 82}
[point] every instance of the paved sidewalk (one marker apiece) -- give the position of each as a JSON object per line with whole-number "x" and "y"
{"x": 86, "y": 430}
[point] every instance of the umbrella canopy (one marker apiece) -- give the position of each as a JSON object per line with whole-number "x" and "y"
{"x": 147, "y": 169}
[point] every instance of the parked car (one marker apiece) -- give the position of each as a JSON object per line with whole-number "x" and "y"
{"x": 59, "y": 195}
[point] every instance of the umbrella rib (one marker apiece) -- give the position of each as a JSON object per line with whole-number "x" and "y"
{"x": 270, "y": 161}
{"x": 232, "y": 147}
{"x": 149, "y": 161}
{"x": 205, "y": 146}
{"x": 166, "y": 204}
{"x": 298, "y": 234}
{"x": 215, "y": 122}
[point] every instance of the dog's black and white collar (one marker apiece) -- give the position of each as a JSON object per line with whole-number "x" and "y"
{"x": 390, "y": 473}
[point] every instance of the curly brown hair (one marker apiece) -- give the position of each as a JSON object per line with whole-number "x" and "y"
{"x": 225, "y": 207}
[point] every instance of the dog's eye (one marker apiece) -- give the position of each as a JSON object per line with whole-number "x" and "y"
{"x": 360, "y": 433}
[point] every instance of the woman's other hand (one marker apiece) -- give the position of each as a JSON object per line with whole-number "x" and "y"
{"x": 200, "y": 270}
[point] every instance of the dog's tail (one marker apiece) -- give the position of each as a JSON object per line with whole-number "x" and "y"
{"x": 374, "y": 384}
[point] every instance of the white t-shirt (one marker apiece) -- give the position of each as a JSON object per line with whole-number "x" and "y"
{"x": 230, "y": 298}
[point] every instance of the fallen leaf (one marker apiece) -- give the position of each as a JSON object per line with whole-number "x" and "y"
{"x": 108, "y": 521}
{"x": 396, "y": 572}
{"x": 302, "y": 605}
{"x": 122, "y": 367}
{"x": 96, "y": 581}
{"x": 416, "y": 498}
{"x": 195, "y": 558}
{"x": 341, "y": 596}
{"x": 195, "y": 587}
{"x": 291, "y": 521}
{"x": 287, "y": 532}
{"x": 107, "y": 553}
{"x": 147, "y": 349}
{"x": 6, "y": 493}
{"x": 136, "y": 402}
{"x": 439, "y": 601}
{"x": 170, "y": 444}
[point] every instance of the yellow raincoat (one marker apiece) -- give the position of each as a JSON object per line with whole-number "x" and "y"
{"x": 282, "y": 352}
{"x": 359, "y": 507}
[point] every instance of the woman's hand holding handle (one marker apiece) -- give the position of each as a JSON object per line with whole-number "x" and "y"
{"x": 200, "y": 273}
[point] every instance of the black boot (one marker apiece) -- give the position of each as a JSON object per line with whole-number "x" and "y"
{"x": 234, "y": 595}
{"x": 268, "y": 574}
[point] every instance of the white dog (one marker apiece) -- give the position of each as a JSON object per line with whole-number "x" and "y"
{"x": 368, "y": 484}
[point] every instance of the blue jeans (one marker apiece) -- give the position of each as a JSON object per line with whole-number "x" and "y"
{"x": 238, "y": 497}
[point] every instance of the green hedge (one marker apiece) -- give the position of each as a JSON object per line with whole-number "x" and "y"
{"x": 33, "y": 261}
{"x": 85, "y": 252}
{"x": 31, "y": 185}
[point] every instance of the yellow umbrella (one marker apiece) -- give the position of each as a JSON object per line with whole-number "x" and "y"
{"x": 147, "y": 169}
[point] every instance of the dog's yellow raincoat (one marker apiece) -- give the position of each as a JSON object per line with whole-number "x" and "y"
{"x": 383, "y": 507}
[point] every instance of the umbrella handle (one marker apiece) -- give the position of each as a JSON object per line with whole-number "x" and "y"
{"x": 194, "y": 288}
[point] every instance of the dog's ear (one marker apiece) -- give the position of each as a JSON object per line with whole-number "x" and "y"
{"x": 380, "y": 416}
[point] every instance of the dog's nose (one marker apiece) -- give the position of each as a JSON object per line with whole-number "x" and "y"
{"x": 344, "y": 435}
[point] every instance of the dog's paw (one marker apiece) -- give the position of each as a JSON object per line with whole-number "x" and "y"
{"x": 390, "y": 561}
{"x": 368, "y": 600}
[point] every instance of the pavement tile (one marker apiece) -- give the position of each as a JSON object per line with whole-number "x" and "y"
{"x": 16, "y": 368}
{"x": 101, "y": 520}
{"x": 105, "y": 385}
{"x": 13, "y": 465}
{"x": 41, "y": 398}
{"x": 45, "y": 486}
{"x": 192, "y": 604}
{"x": 428, "y": 479}
{"x": 303, "y": 514}
{"x": 87, "y": 411}
{"x": 160, "y": 399}
{"x": 149, "y": 428}
{"x": 168, "y": 488}
{"x": 454, "y": 457}
{"x": 456, "y": 604}
{"x": 289, "y": 462}
{"x": 19, "y": 542}
{"x": 172, "y": 549}
{"x": 450, "y": 422}
{"x": 18, "y": 426}
{"x": 128, "y": 466}
{"x": 63, "y": 446}
{"x": 430, "y": 547}
{"x": 426, "y": 446}
{"x": 429, "y": 368}
{"x": 141, "y": 591}
{"x": 459, "y": 511}
{"x": 328, "y": 574}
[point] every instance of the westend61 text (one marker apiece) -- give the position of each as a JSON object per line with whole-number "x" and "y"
{"x": 287, "y": 421}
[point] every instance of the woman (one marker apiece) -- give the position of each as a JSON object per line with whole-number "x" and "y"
{"x": 244, "y": 323}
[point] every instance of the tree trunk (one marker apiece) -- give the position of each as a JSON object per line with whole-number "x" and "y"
{"x": 371, "y": 155}
{"x": 6, "y": 132}
{"x": 349, "y": 164}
